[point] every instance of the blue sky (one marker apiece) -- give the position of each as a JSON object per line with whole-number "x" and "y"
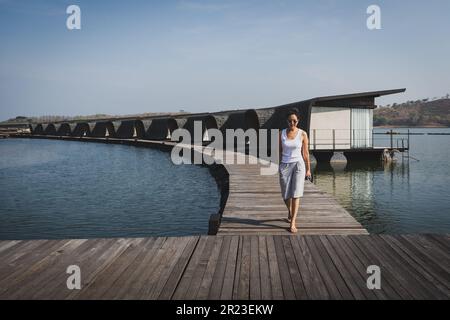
{"x": 156, "y": 56}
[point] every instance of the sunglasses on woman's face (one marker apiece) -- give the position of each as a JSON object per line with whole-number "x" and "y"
{"x": 292, "y": 121}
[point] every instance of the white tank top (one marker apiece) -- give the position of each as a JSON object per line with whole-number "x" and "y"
{"x": 291, "y": 149}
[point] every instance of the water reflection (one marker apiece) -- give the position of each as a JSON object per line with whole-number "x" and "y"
{"x": 366, "y": 188}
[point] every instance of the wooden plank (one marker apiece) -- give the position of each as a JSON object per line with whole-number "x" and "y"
{"x": 332, "y": 289}
{"x": 296, "y": 277}
{"x": 243, "y": 292}
{"x": 238, "y": 269}
{"x": 275, "y": 279}
{"x": 266, "y": 293}
{"x": 255, "y": 277}
{"x": 182, "y": 290}
{"x": 219, "y": 272}
{"x": 178, "y": 270}
{"x": 149, "y": 277}
{"x": 286, "y": 282}
{"x": 314, "y": 285}
{"x": 207, "y": 281}
{"x": 161, "y": 277}
{"x": 231, "y": 269}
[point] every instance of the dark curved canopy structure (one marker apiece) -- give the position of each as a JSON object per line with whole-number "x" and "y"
{"x": 115, "y": 127}
{"x": 126, "y": 129}
{"x": 207, "y": 121}
{"x": 158, "y": 130}
{"x": 110, "y": 132}
{"x": 211, "y": 122}
{"x": 251, "y": 120}
{"x": 81, "y": 129}
{"x": 103, "y": 129}
{"x": 175, "y": 123}
{"x": 234, "y": 120}
{"x": 36, "y": 128}
{"x": 72, "y": 128}
{"x": 50, "y": 130}
{"x": 63, "y": 129}
{"x": 216, "y": 120}
{"x": 142, "y": 126}
{"x": 99, "y": 130}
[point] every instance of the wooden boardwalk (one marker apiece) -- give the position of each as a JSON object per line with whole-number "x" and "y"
{"x": 228, "y": 267}
{"x": 255, "y": 206}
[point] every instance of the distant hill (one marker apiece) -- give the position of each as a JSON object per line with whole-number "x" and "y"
{"x": 420, "y": 113}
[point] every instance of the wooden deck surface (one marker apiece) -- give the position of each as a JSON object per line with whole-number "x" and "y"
{"x": 228, "y": 267}
{"x": 255, "y": 206}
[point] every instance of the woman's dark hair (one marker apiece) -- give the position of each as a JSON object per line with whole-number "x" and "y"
{"x": 293, "y": 111}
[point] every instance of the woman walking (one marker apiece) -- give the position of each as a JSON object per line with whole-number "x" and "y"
{"x": 294, "y": 165}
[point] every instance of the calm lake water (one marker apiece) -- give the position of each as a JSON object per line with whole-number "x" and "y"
{"x": 404, "y": 197}
{"x": 62, "y": 189}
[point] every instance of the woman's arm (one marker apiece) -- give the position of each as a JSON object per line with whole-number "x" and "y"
{"x": 305, "y": 153}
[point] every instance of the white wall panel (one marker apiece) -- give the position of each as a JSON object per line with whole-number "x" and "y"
{"x": 323, "y": 121}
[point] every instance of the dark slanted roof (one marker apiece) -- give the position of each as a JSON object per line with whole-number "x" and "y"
{"x": 354, "y": 100}
{"x": 373, "y": 94}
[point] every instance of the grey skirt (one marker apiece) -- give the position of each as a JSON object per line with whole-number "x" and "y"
{"x": 292, "y": 179}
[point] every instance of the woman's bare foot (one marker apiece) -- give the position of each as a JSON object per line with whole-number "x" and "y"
{"x": 293, "y": 229}
{"x": 289, "y": 217}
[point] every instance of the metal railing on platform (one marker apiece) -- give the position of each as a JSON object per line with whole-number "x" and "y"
{"x": 347, "y": 139}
